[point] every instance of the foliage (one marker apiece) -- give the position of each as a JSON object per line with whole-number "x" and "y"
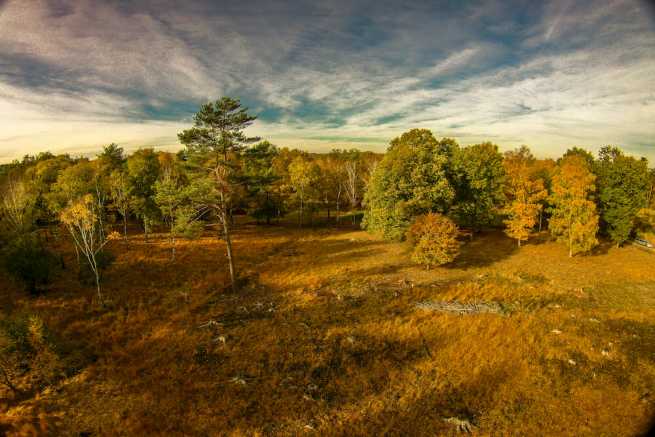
{"x": 82, "y": 221}
{"x": 120, "y": 195}
{"x": 213, "y": 146}
{"x": 622, "y": 192}
{"x": 478, "y": 178}
{"x": 434, "y": 237}
{"x": 525, "y": 191}
{"x": 17, "y": 207}
{"x": 260, "y": 175}
{"x": 33, "y": 357}
{"x": 574, "y": 219}
{"x": 586, "y": 155}
{"x": 175, "y": 199}
{"x": 72, "y": 183}
{"x": 28, "y": 260}
{"x": 409, "y": 181}
{"x": 143, "y": 170}
{"x": 111, "y": 159}
{"x": 303, "y": 177}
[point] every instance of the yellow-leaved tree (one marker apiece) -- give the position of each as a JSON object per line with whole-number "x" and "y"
{"x": 81, "y": 218}
{"x": 524, "y": 191}
{"x": 574, "y": 219}
{"x": 434, "y": 237}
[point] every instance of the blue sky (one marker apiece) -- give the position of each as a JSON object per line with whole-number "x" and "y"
{"x": 75, "y": 75}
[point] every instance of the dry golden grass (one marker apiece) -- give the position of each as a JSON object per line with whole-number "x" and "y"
{"x": 325, "y": 339}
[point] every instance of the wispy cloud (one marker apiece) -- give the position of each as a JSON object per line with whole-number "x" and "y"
{"x": 78, "y": 74}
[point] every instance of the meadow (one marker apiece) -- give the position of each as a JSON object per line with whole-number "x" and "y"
{"x": 334, "y": 331}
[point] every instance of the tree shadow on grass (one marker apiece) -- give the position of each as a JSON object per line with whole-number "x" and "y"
{"x": 486, "y": 249}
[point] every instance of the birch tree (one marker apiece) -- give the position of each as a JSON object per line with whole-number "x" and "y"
{"x": 81, "y": 218}
{"x": 120, "y": 195}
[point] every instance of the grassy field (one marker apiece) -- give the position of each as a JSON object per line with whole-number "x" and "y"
{"x": 327, "y": 337}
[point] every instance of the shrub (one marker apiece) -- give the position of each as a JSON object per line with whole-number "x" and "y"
{"x": 31, "y": 355}
{"x": 27, "y": 349}
{"x": 27, "y": 260}
{"x": 434, "y": 237}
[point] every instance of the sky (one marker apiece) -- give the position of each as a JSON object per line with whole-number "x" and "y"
{"x": 76, "y": 75}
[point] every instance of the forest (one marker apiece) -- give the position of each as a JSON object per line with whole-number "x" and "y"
{"x": 240, "y": 288}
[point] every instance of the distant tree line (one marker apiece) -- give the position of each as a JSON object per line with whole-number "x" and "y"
{"x": 423, "y": 189}
{"x": 425, "y": 181}
{"x": 219, "y": 174}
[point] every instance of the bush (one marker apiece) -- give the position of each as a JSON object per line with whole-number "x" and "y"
{"x": 27, "y": 260}
{"x": 434, "y": 238}
{"x": 31, "y": 355}
{"x": 27, "y": 349}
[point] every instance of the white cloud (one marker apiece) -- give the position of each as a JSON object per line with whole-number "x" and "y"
{"x": 582, "y": 75}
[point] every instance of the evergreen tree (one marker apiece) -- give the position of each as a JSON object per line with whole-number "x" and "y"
{"x": 623, "y": 191}
{"x": 259, "y": 176}
{"x": 213, "y": 146}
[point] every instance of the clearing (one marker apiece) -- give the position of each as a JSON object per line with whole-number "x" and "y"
{"x": 335, "y": 332}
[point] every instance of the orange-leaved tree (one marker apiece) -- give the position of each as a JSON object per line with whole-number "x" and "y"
{"x": 525, "y": 191}
{"x": 434, "y": 237}
{"x": 574, "y": 219}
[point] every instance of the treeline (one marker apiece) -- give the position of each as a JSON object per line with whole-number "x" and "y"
{"x": 219, "y": 174}
{"x": 437, "y": 187}
{"x": 578, "y": 197}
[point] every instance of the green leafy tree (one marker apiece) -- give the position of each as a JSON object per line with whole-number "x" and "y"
{"x": 119, "y": 184}
{"x": 586, "y": 155}
{"x": 17, "y": 207}
{"x": 259, "y": 176}
{"x": 574, "y": 219}
{"x": 143, "y": 171}
{"x": 303, "y": 176}
{"x": 111, "y": 158}
{"x": 213, "y": 147}
{"x": 409, "y": 181}
{"x": 622, "y": 192}
{"x": 72, "y": 183}
{"x": 478, "y": 178}
{"x": 174, "y": 199}
{"x": 42, "y": 177}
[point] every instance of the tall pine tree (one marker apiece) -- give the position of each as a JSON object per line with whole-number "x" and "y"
{"x": 213, "y": 146}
